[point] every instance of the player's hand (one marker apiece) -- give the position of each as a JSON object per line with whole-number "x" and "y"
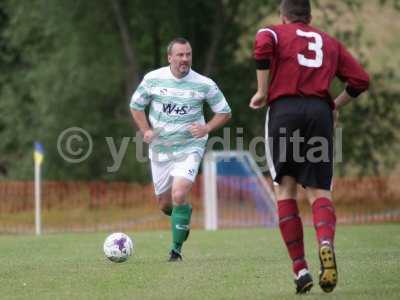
{"x": 148, "y": 136}
{"x": 258, "y": 101}
{"x": 335, "y": 114}
{"x": 198, "y": 130}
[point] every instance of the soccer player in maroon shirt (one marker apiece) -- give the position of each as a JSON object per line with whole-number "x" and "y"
{"x": 302, "y": 61}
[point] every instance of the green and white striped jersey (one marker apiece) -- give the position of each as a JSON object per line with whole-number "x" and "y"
{"x": 174, "y": 105}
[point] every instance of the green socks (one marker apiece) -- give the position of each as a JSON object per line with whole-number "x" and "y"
{"x": 180, "y": 221}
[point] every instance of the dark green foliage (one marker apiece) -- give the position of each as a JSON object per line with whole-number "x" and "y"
{"x": 67, "y": 63}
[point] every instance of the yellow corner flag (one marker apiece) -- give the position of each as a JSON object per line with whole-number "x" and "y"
{"x": 38, "y": 153}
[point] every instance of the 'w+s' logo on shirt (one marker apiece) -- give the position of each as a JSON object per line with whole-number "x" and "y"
{"x": 171, "y": 108}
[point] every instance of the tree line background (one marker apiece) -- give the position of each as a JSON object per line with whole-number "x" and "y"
{"x": 66, "y": 63}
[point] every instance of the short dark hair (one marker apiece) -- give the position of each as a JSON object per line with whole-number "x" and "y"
{"x": 178, "y": 40}
{"x": 296, "y": 10}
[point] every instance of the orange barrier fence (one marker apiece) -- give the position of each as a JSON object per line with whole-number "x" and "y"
{"x": 90, "y": 206}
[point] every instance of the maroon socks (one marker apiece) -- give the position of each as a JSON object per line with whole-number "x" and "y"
{"x": 292, "y": 232}
{"x": 291, "y": 227}
{"x": 324, "y": 220}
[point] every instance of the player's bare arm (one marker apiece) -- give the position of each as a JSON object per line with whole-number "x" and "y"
{"x": 141, "y": 121}
{"x": 200, "y": 130}
{"x": 342, "y": 99}
{"x": 260, "y": 97}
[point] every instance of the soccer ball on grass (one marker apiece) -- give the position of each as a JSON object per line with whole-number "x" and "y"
{"x": 118, "y": 247}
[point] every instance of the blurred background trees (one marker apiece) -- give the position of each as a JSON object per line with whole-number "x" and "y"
{"x": 71, "y": 63}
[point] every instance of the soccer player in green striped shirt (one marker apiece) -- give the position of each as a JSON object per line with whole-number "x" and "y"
{"x": 177, "y": 132}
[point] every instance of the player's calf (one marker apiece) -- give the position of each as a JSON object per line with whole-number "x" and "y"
{"x": 165, "y": 202}
{"x": 166, "y": 209}
{"x": 324, "y": 219}
{"x": 291, "y": 228}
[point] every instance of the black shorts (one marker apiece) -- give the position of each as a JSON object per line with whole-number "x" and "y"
{"x": 299, "y": 144}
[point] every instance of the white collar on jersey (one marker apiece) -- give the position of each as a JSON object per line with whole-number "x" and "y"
{"x": 179, "y": 79}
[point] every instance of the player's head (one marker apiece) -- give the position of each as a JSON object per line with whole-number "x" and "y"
{"x": 179, "y": 56}
{"x": 295, "y": 11}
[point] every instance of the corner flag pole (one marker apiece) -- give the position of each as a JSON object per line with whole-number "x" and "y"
{"x": 38, "y": 159}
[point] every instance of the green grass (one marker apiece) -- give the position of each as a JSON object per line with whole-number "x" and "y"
{"x": 228, "y": 264}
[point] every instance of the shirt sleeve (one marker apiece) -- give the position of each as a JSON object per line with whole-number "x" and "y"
{"x": 351, "y": 72}
{"x": 216, "y": 100}
{"x": 264, "y": 47}
{"x": 141, "y": 97}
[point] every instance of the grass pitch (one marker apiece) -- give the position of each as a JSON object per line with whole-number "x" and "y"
{"x": 227, "y": 264}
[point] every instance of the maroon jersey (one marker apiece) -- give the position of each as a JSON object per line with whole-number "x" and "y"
{"x": 303, "y": 61}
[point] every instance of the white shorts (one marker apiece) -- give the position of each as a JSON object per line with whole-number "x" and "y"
{"x": 163, "y": 172}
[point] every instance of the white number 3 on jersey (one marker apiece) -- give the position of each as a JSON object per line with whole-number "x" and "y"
{"x": 315, "y": 46}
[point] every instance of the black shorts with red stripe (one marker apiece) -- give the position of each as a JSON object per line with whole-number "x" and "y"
{"x": 299, "y": 144}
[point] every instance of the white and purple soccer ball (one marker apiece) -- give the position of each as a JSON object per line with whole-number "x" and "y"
{"x": 118, "y": 247}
